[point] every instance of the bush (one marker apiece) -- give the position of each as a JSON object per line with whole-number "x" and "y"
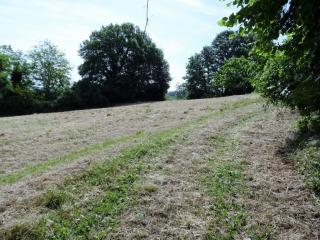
{"x": 285, "y": 81}
{"x": 234, "y": 77}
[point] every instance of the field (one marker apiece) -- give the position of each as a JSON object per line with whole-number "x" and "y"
{"x": 198, "y": 169}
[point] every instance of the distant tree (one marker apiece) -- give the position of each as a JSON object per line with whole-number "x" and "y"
{"x": 202, "y": 67}
{"x": 228, "y": 44}
{"x": 18, "y": 69}
{"x": 182, "y": 91}
{"x": 197, "y": 85}
{"x": 123, "y": 65}
{"x": 16, "y": 96}
{"x": 235, "y": 76}
{"x": 4, "y": 66}
{"x": 50, "y": 70}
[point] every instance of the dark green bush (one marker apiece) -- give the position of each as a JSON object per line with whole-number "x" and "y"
{"x": 234, "y": 77}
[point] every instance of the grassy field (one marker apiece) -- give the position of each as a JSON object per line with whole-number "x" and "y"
{"x": 199, "y": 169}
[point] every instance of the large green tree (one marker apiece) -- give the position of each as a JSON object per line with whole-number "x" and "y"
{"x": 16, "y": 93}
{"x": 288, "y": 32}
{"x": 202, "y": 67}
{"x": 18, "y": 68}
{"x": 235, "y": 76}
{"x": 228, "y": 44}
{"x": 50, "y": 70}
{"x": 198, "y": 83}
{"x": 121, "y": 64}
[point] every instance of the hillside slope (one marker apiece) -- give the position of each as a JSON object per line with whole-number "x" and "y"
{"x": 200, "y": 169}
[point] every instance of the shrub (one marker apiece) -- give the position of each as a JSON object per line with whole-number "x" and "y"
{"x": 234, "y": 77}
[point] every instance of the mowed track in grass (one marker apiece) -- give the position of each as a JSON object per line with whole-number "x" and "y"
{"x": 94, "y": 180}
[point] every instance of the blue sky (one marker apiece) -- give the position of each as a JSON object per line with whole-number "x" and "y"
{"x": 179, "y": 27}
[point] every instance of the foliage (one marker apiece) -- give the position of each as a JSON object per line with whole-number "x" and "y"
{"x": 228, "y": 44}
{"x": 282, "y": 80}
{"x": 182, "y": 92}
{"x": 4, "y": 65}
{"x": 121, "y": 64}
{"x": 235, "y": 76}
{"x": 289, "y": 33}
{"x": 16, "y": 94}
{"x": 22, "y": 91}
{"x": 304, "y": 150}
{"x": 202, "y": 67}
{"x": 198, "y": 84}
{"x": 50, "y": 70}
{"x": 18, "y": 67}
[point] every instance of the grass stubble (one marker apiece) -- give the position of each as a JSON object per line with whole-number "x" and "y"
{"x": 73, "y": 214}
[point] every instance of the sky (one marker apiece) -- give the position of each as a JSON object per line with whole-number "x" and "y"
{"x": 179, "y": 27}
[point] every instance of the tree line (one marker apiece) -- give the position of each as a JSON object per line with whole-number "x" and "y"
{"x": 121, "y": 64}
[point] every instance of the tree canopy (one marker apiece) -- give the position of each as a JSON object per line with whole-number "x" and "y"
{"x": 50, "y": 70}
{"x": 202, "y": 66}
{"x": 122, "y": 64}
{"x": 235, "y": 76}
{"x": 288, "y": 33}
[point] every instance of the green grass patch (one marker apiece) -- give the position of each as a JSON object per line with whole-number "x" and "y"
{"x": 307, "y": 160}
{"x": 226, "y": 186}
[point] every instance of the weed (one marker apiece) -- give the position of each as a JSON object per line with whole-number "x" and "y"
{"x": 54, "y": 199}
{"x": 147, "y": 188}
{"x": 308, "y": 163}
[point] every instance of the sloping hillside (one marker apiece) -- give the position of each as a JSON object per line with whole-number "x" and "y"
{"x": 200, "y": 169}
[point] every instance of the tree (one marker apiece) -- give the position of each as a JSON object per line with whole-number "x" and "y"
{"x": 50, "y": 70}
{"x": 4, "y": 65}
{"x": 16, "y": 96}
{"x": 124, "y": 64}
{"x": 235, "y": 76}
{"x": 197, "y": 85}
{"x": 288, "y": 32}
{"x": 18, "y": 69}
{"x": 202, "y": 67}
{"x": 182, "y": 91}
{"x": 228, "y": 44}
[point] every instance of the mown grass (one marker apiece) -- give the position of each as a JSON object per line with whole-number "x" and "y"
{"x": 94, "y": 219}
{"x": 226, "y": 186}
{"x": 83, "y": 216}
{"x": 31, "y": 170}
{"x": 13, "y": 177}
